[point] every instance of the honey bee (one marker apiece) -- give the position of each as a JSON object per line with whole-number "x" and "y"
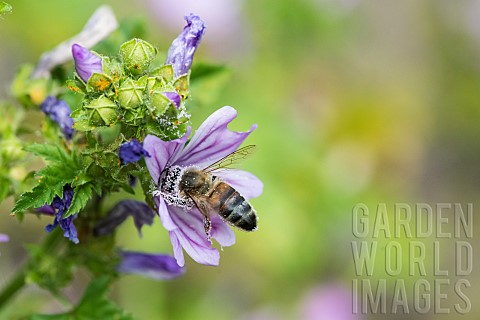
{"x": 191, "y": 186}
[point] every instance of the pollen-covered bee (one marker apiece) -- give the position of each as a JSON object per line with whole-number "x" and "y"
{"x": 190, "y": 186}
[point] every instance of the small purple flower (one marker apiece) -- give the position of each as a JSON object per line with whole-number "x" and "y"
{"x": 173, "y": 97}
{"x": 155, "y": 266}
{"x": 4, "y": 237}
{"x": 131, "y": 152}
{"x": 212, "y": 141}
{"x": 46, "y": 209}
{"x": 141, "y": 213}
{"x": 86, "y": 62}
{"x": 62, "y": 205}
{"x": 59, "y": 111}
{"x": 180, "y": 54}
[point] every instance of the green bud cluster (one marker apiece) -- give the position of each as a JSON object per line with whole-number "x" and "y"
{"x": 130, "y": 94}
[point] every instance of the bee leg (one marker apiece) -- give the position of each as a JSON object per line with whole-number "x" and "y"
{"x": 207, "y": 224}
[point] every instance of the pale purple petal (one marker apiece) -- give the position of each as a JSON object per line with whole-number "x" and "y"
{"x": 161, "y": 152}
{"x": 213, "y": 140}
{"x": 247, "y": 184}
{"x": 177, "y": 249}
{"x": 4, "y": 237}
{"x": 164, "y": 214}
{"x": 86, "y": 62}
{"x": 192, "y": 237}
{"x": 222, "y": 232}
{"x": 155, "y": 266}
{"x": 201, "y": 254}
{"x": 191, "y": 221}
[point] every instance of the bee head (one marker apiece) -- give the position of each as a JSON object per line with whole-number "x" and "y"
{"x": 193, "y": 181}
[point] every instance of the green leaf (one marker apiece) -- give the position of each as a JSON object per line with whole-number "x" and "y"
{"x": 202, "y": 70}
{"x": 39, "y": 196}
{"x": 4, "y": 187}
{"x": 82, "y": 194}
{"x": 5, "y": 8}
{"x": 50, "y": 152}
{"x": 207, "y": 83}
{"x": 50, "y": 184}
{"x": 62, "y": 316}
{"x": 93, "y": 306}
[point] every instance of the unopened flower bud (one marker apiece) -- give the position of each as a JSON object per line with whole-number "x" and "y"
{"x": 180, "y": 53}
{"x": 104, "y": 111}
{"x": 86, "y": 62}
{"x": 130, "y": 94}
{"x": 137, "y": 55}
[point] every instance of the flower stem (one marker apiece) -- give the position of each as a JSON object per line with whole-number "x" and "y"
{"x": 13, "y": 287}
{"x": 18, "y": 282}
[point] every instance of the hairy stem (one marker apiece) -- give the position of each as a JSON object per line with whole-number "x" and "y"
{"x": 18, "y": 281}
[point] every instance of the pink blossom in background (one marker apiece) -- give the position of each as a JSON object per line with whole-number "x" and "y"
{"x": 228, "y": 32}
{"x": 4, "y": 238}
{"x": 328, "y": 302}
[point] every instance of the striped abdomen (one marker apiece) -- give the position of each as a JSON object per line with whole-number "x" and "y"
{"x": 233, "y": 207}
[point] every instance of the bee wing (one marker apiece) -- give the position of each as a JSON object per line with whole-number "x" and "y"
{"x": 201, "y": 202}
{"x": 232, "y": 159}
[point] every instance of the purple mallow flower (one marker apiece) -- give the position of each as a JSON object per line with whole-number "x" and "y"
{"x": 173, "y": 97}
{"x": 86, "y": 62}
{"x": 141, "y": 213}
{"x": 180, "y": 54}
{"x": 155, "y": 266}
{"x": 131, "y": 152}
{"x": 59, "y": 111}
{"x": 62, "y": 205}
{"x": 212, "y": 141}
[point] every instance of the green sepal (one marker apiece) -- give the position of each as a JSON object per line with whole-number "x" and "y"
{"x": 137, "y": 55}
{"x": 98, "y": 82}
{"x": 181, "y": 85}
{"x": 165, "y": 72}
{"x": 157, "y": 104}
{"x": 76, "y": 85}
{"x": 83, "y": 124}
{"x": 172, "y": 124}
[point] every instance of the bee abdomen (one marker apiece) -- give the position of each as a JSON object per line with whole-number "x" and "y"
{"x": 236, "y": 210}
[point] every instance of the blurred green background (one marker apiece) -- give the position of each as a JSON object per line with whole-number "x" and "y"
{"x": 356, "y": 101}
